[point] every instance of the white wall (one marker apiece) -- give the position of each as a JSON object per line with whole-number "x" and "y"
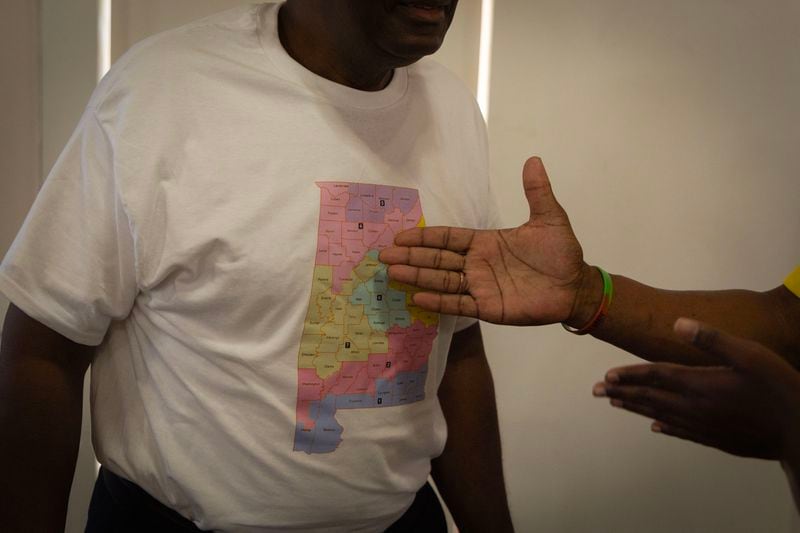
{"x": 20, "y": 136}
{"x": 69, "y": 69}
{"x": 670, "y": 130}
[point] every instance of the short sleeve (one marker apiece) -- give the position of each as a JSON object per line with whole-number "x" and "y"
{"x": 72, "y": 265}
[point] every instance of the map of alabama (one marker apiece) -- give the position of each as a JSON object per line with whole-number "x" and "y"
{"x": 364, "y": 343}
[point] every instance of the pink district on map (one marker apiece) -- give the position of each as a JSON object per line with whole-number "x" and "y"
{"x": 364, "y": 344}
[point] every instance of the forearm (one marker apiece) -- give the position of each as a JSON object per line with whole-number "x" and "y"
{"x": 641, "y": 318}
{"x": 40, "y": 422}
{"x": 469, "y": 473}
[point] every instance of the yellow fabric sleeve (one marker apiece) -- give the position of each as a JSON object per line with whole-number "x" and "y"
{"x": 792, "y": 281}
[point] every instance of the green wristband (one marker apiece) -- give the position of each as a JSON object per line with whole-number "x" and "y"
{"x": 602, "y": 311}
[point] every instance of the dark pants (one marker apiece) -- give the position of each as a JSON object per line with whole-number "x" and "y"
{"x": 119, "y": 506}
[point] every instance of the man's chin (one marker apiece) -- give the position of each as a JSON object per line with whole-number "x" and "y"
{"x": 414, "y": 48}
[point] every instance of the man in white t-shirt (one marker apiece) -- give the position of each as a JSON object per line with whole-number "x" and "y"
{"x": 213, "y": 228}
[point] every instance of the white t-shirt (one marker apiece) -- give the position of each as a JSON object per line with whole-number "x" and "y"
{"x": 213, "y": 225}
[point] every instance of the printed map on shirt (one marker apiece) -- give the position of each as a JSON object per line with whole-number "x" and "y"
{"x": 364, "y": 344}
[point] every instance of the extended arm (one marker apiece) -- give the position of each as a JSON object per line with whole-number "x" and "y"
{"x": 746, "y": 400}
{"x": 535, "y": 274}
{"x": 41, "y": 384}
{"x": 469, "y": 473}
{"x": 641, "y": 319}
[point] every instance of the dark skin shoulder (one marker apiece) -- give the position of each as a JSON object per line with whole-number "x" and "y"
{"x": 41, "y": 394}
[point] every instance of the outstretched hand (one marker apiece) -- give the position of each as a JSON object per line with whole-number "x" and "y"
{"x": 528, "y": 275}
{"x": 749, "y": 405}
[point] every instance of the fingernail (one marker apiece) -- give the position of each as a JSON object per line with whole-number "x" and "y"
{"x": 612, "y": 377}
{"x": 687, "y": 328}
{"x": 616, "y": 403}
{"x": 599, "y": 390}
{"x": 655, "y": 427}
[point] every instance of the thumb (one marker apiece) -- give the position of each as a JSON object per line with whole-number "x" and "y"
{"x": 729, "y": 350}
{"x": 538, "y": 191}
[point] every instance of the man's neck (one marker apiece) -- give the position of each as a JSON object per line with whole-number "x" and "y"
{"x": 308, "y": 36}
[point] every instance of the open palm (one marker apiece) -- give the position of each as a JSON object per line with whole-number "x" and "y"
{"x": 527, "y": 275}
